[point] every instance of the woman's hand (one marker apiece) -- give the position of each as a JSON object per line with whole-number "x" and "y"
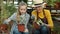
{"x": 47, "y": 25}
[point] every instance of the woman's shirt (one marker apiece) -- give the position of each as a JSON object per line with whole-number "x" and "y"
{"x": 41, "y": 15}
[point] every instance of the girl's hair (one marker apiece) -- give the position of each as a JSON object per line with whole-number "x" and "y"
{"x": 18, "y": 12}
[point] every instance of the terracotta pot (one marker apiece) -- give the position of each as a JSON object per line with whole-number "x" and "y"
{"x": 55, "y": 32}
{"x": 21, "y": 27}
{"x": 57, "y": 5}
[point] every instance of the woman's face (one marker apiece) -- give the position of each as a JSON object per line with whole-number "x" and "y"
{"x": 39, "y": 8}
{"x": 23, "y": 9}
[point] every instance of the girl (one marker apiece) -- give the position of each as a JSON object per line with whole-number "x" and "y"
{"x": 20, "y": 17}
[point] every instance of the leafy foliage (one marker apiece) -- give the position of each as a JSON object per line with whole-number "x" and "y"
{"x": 10, "y": 9}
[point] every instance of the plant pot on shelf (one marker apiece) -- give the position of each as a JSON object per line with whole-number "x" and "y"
{"x": 54, "y": 32}
{"x": 57, "y": 5}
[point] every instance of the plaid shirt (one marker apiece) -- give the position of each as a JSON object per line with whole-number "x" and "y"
{"x": 23, "y": 20}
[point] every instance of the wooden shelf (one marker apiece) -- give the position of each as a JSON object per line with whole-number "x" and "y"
{"x": 56, "y": 14}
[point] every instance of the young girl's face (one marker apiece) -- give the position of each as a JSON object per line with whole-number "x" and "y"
{"x": 23, "y": 9}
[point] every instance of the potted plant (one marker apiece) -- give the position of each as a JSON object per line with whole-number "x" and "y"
{"x": 57, "y": 4}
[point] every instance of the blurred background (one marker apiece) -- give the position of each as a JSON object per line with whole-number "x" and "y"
{"x": 8, "y": 7}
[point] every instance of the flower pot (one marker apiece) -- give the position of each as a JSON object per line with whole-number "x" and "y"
{"x": 57, "y": 5}
{"x": 21, "y": 27}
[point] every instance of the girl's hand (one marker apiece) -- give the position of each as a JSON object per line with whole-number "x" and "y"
{"x": 26, "y": 30}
